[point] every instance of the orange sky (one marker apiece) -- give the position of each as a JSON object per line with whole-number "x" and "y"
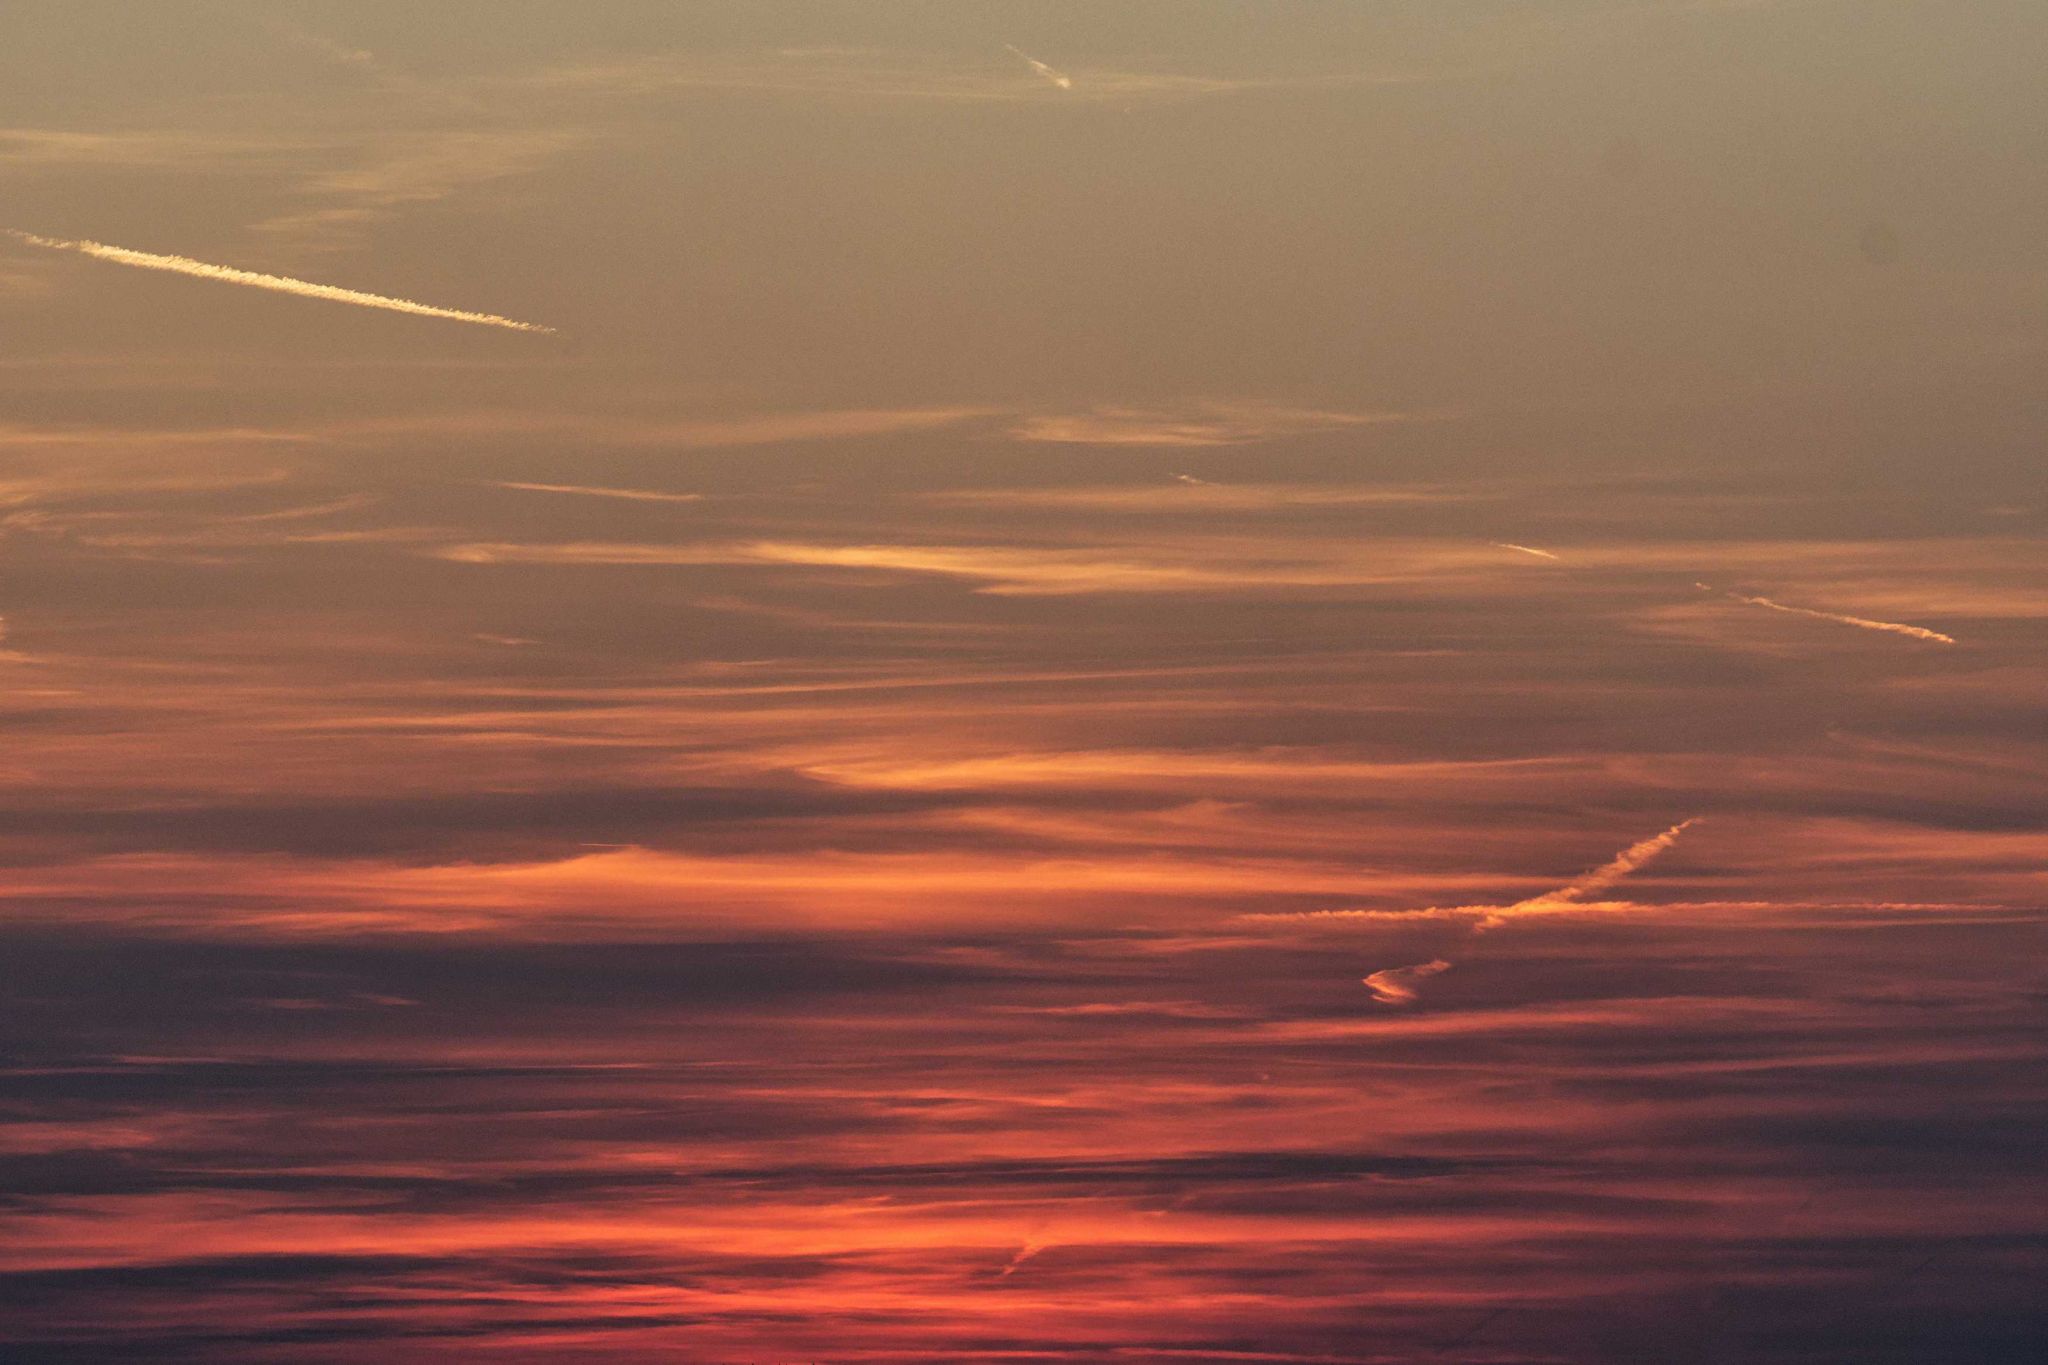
{"x": 889, "y": 682}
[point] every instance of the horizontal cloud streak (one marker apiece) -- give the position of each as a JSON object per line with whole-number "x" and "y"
{"x": 1201, "y": 424}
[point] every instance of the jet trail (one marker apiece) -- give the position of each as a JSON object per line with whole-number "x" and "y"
{"x": 1059, "y": 79}
{"x": 1894, "y": 627}
{"x": 1024, "y": 1253}
{"x": 1396, "y": 985}
{"x": 1523, "y": 549}
{"x": 629, "y": 494}
{"x": 1599, "y": 879}
{"x": 1400, "y": 985}
{"x": 283, "y": 284}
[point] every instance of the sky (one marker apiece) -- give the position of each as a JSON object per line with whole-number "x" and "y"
{"x": 899, "y": 681}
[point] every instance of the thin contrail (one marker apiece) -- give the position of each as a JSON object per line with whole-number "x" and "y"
{"x": 579, "y": 490}
{"x": 1060, "y": 79}
{"x": 1894, "y": 627}
{"x": 1401, "y": 985}
{"x": 283, "y": 284}
{"x": 1523, "y": 549}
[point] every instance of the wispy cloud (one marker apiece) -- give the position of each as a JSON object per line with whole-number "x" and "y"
{"x": 1040, "y": 69}
{"x": 152, "y": 149}
{"x": 1861, "y": 622}
{"x": 420, "y": 168}
{"x": 1201, "y": 424}
{"x": 282, "y": 284}
{"x": 310, "y": 40}
{"x": 1189, "y": 494}
{"x": 1199, "y": 564}
{"x": 687, "y": 433}
{"x": 876, "y": 73}
{"x": 628, "y": 494}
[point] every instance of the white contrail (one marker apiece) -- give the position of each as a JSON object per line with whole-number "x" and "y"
{"x": 1894, "y": 627}
{"x": 1523, "y": 549}
{"x": 1400, "y": 985}
{"x": 283, "y": 284}
{"x": 629, "y": 494}
{"x": 1396, "y": 985}
{"x": 1599, "y": 879}
{"x": 1059, "y": 79}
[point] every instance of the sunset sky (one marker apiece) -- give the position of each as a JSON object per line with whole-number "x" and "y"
{"x": 1110, "y": 681}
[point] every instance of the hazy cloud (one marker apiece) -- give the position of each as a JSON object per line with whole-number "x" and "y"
{"x": 1201, "y": 424}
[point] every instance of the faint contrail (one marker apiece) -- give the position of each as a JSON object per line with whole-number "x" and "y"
{"x": 1523, "y": 549}
{"x": 1894, "y": 627}
{"x": 283, "y": 284}
{"x": 1059, "y": 79}
{"x": 1399, "y": 985}
{"x": 1024, "y": 1253}
{"x": 629, "y": 494}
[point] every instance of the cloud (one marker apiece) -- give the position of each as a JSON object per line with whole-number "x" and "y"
{"x": 310, "y": 40}
{"x": 877, "y": 73}
{"x": 685, "y": 433}
{"x": 1190, "y": 494}
{"x": 96, "y": 439}
{"x": 183, "y": 265}
{"x": 420, "y": 168}
{"x": 1207, "y": 423}
{"x": 1864, "y": 623}
{"x": 1192, "y": 564}
{"x": 153, "y": 149}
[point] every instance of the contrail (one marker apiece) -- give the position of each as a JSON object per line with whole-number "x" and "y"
{"x": 1599, "y": 879}
{"x": 1059, "y": 79}
{"x": 1395, "y": 985}
{"x": 629, "y": 494}
{"x": 1024, "y": 1253}
{"x": 1523, "y": 549}
{"x": 1894, "y": 627}
{"x": 283, "y": 284}
{"x": 1400, "y": 985}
